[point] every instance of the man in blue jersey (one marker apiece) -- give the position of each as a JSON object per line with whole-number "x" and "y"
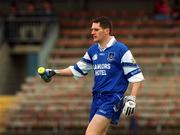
{"x": 114, "y": 67}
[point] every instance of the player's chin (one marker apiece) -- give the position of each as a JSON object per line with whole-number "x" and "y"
{"x": 95, "y": 40}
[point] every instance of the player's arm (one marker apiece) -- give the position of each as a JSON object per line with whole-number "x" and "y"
{"x": 80, "y": 69}
{"x": 134, "y": 75}
{"x": 130, "y": 101}
{"x": 136, "y": 86}
{"x": 64, "y": 72}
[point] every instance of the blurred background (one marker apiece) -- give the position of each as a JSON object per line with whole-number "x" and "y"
{"x": 56, "y": 34}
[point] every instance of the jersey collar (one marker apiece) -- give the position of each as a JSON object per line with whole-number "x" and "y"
{"x": 109, "y": 44}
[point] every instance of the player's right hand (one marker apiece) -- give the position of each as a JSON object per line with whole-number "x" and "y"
{"x": 50, "y": 72}
{"x": 46, "y": 74}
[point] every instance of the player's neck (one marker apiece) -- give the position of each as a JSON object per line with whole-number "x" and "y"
{"x": 105, "y": 41}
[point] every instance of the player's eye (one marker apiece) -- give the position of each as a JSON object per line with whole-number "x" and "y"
{"x": 94, "y": 29}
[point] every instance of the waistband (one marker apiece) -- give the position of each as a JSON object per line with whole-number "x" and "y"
{"x": 106, "y": 93}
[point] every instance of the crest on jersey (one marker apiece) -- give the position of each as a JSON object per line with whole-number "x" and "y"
{"x": 95, "y": 57}
{"x": 111, "y": 56}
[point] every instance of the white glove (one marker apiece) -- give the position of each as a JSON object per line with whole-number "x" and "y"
{"x": 129, "y": 105}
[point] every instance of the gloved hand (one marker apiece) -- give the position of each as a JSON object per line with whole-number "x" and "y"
{"x": 46, "y": 74}
{"x": 129, "y": 105}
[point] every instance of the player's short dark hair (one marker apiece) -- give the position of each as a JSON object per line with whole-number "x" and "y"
{"x": 104, "y": 22}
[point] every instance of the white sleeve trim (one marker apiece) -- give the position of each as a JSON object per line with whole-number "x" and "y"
{"x": 84, "y": 66}
{"x": 136, "y": 78}
{"x": 86, "y": 56}
{"x": 128, "y": 57}
{"x": 76, "y": 74}
{"x": 128, "y": 69}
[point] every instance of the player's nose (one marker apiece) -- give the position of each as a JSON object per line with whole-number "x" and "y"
{"x": 92, "y": 32}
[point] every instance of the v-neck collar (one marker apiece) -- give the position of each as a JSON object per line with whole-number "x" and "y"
{"x": 109, "y": 44}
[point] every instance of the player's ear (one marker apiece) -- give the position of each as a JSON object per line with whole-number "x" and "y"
{"x": 107, "y": 30}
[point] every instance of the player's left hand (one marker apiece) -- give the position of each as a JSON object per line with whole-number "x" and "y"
{"x": 129, "y": 105}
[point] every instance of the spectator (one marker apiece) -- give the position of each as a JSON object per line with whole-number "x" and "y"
{"x": 177, "y": 8}
{"x": 163, "y": 10}
{"x": 13, "y": 8}
{"x": 48, "y": 7}
{"x": 31, "y": 7}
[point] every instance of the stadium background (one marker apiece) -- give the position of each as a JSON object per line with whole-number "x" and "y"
{"x": 56, "y": 34}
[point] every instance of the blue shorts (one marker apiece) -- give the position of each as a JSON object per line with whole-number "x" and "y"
{"x": 109, "y": 105}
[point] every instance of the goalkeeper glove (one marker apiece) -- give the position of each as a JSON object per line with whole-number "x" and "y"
{"x": 129, "y": 105}
{"x": 46, "y": 74}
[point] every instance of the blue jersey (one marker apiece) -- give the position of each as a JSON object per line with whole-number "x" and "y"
{"x": 114, "y": 67}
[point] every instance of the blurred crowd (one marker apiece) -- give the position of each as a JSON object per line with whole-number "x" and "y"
{"x": 31, "y": 7}
{"x": 163, "y": 9}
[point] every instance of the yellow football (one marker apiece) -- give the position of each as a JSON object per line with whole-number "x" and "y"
{"x": 41, "y": 70}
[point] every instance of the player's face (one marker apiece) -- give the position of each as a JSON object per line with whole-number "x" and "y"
{"x": 97, "y": 32}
